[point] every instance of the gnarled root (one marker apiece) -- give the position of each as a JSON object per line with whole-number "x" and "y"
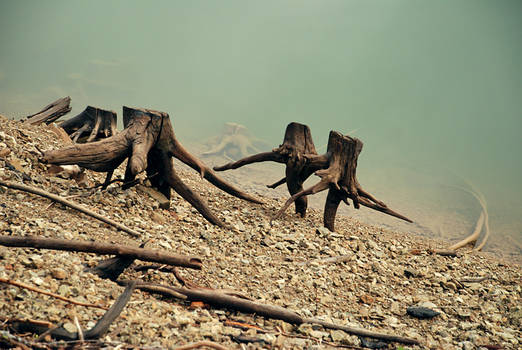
{"x": 149, "y": 143}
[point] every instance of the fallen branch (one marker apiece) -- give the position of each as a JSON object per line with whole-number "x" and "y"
{"x": 41, "y": 291}
{"x": 200, "y": 344}
{"x": 331, "y": 260}
{"x": 103, "y": 249}
{"x": 444, "y": 252}
{"x": 270, "y": 311}
{"x": 474, "y": 279}
{"x": 482, "y": 222}
{"x": 70, "y": 204}
{"x": 99, "y": 329}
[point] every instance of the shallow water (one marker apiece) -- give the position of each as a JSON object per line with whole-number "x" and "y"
{"x": 434, "y": 89}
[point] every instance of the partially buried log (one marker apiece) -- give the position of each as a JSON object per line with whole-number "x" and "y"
{"x": 91, "y": 124}
{"x": 296, "y": 144}
{"x": 51, "y": 112}
{"x": 149, "y": 143}
{"x": 338, "y": 175}
{"x": 102, "y": 249}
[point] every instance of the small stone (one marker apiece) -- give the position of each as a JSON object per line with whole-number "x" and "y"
{"x": 421, "y": 312}
{"x": 410, "y": 272}
{"x": 58, "y": 273}
{"x": 158, "y": 218}
{"x": 69, "y": 327}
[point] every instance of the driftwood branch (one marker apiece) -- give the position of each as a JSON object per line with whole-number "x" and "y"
{"x": 51, "y": 112}
{"x": 54, "y": 295}
{"x": 265, "y": 310}
{"x": 482, "y": 223}
{"x": 102, "y": 248}
{"x": 69, "y": 204}
{"x": 201, "y": 344}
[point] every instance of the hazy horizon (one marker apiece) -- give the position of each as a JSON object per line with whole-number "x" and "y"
{"x": 433, "y": 89}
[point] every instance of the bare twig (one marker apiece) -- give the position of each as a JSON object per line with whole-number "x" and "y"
{"x": 200, "y": 344}
{"x": 70, "y": 204}
{"x": 41, "y": 291}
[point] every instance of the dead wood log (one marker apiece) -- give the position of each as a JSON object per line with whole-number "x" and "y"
{"x": 70, "y": 204}
{"x": 95, "y": 122}
{"x": 265, "y": 310}
{"x": 149, "y": 143}
{"x": 296, "y": 144}
{"x": 338, "y": 175}
{"x": 152, "y": 255}
{"x": 51, "y": 112}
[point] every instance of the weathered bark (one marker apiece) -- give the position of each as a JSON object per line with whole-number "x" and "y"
{"x": 340, "y": 179}
{"x": 51, "y": 112}
{"x": 149, "y": 143}
{"x": 296, "y": 144}
{"x": 103, "y": 249}
{"x": 265, "y": 310}
{"x": 95, "y": 122}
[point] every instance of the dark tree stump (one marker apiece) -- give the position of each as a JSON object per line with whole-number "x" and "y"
{"x": 339, "y": 177}
{"x": 149, "y": 143}
{"x": 95, "y": 122}
{"x": 296, "y": 144}
{"x": 51, "y": 112}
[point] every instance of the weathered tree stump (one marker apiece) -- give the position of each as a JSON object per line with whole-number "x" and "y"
{"x": 95, "y": 122}
{"x": 149, "y": 143}
{"x": 51, "y": 112}
{"x": 338, "y": 175}
{"x": 296, "y": 144}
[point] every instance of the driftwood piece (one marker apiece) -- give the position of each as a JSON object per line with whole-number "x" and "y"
{"x": 51, "y": 112}
{"x": 149, "y": 143}
{"x": 99, "y": 329}
{"x": 95, "y": 122}
{"x": 482, "y": 223}
{"x": 265, "y": 310}
{"x": 54, "y": 295}
{"x": 152, "y": 255}
{"x": 70, "y": 204}
{"x": 296, "y": 144}
{"x": 338, "y": 175}
{"x": 201, "y": 344}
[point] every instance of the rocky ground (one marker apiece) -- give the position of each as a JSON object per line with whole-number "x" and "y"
{"x": 383, "y": 274}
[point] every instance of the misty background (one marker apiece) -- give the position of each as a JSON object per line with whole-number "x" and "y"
{"x": 432, "y": 88}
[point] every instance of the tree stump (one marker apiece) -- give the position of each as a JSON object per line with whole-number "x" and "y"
{"x": 338, "y": 175}
{"x": 149, "y": 143}
{"x": 296, "y": 144}
{"x": 96, "y": 122}
{"x": 51, "y": 112}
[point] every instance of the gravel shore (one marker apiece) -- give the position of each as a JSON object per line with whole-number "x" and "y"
{"x": 289, "y": 263}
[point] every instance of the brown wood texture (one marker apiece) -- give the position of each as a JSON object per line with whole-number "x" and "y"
{"x": 91, "y": 124}
{"x": 51, "y": 112}
{"x": 149, "y": 143}
{"x": 101, "y": 248}
{"x": 296, "y": 144}
{"x": 339, "y": 177}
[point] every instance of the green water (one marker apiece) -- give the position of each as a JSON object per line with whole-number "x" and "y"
{"x": 433, "y": 88}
